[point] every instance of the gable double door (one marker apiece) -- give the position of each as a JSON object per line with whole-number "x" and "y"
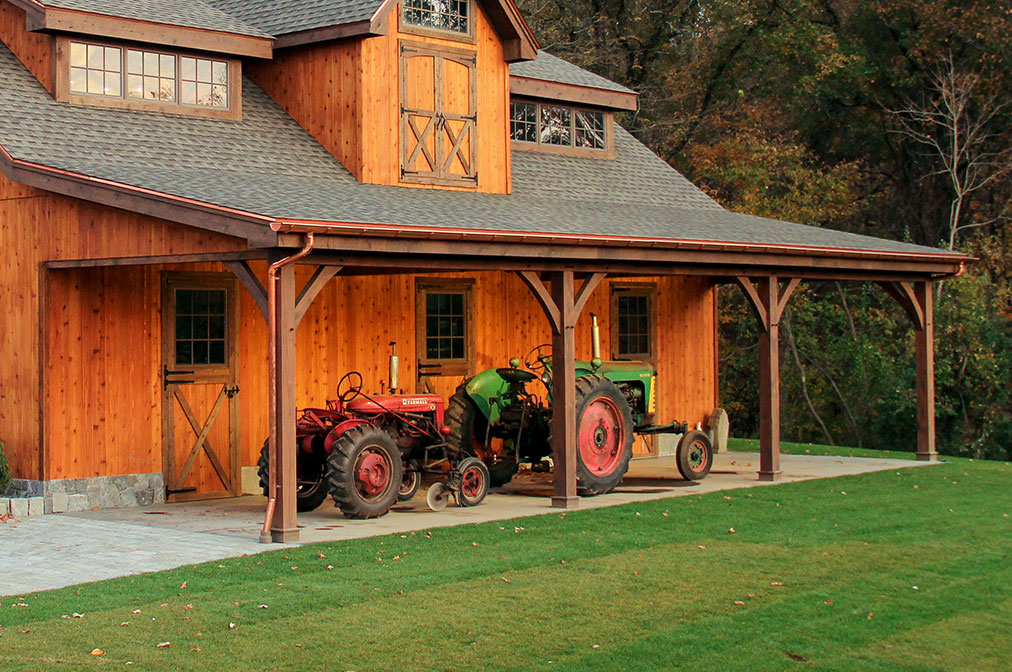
{"x": 439, "y": 108}
{"x": 200, "y": 391}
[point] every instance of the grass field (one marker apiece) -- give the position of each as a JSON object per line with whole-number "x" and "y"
{"x": 897, "y": 570}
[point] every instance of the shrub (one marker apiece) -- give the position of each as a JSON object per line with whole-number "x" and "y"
{"x": 5, "y": 470}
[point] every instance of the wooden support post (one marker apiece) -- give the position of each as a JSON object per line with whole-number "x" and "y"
{"x": 564, "y": 439}
{"x": 918, "y": 302}
{"x": 562, "y": 306}
{"x": 284, "y": 525}
{"x": 768, "y": 303}
{"x": 925, "y": 350}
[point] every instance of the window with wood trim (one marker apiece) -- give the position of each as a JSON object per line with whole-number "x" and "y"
{"x": 559, "y": 126}
{"x": 633, "y": 321}
{"x": 439, "y": 115}
{"x": 144, "y": 78}
{"x": 444, "y": 321}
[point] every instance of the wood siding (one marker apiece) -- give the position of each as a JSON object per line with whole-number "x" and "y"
{"x": 346, "y": 94}
{"x": 105, "y": 393}
{"x": 37, "y": 226}
{"x": 35, "y": 50}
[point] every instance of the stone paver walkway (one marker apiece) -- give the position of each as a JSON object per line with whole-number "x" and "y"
{"x": 46, "y": 552}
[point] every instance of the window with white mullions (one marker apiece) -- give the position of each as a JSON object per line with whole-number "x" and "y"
{"x": 558, "y": 126}
{"x": 96, "y": 69}
{"x": 450, "y": 15}
{"x": 151, "y": 75}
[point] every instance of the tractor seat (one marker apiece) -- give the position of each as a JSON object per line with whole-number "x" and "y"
{"x": 511, "y": 375}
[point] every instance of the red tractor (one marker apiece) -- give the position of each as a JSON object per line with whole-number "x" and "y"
{"x": 369, "y": 452}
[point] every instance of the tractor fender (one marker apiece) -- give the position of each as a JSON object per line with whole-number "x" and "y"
{"x": 482, "y": 388}
{"x": 339, "y": 431}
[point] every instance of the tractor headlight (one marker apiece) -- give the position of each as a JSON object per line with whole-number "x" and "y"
{"x": 546, "y": 378}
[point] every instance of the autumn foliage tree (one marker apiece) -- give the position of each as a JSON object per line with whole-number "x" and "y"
{"x": 807, "y": 110}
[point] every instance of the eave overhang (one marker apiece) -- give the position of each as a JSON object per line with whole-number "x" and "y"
{"x": 40, "y": 18}
{"x": 503, "y": 250}
{"x": 573, "y": 93}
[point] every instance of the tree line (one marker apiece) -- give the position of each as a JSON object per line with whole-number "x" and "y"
{"x": 891, "y": 118}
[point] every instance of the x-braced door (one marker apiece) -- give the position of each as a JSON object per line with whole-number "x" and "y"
{"x": 439, "y": 108}
{"x": 200, "y": 404}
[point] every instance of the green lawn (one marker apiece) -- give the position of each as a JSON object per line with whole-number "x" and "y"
{"x": 752, "y": 446}
{"x": 898, "y": 570}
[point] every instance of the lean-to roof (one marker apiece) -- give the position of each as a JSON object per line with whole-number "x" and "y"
{"x": 268, "y": 166}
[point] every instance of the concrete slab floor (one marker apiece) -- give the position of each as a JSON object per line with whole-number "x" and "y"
{"x": 46, "y": 552}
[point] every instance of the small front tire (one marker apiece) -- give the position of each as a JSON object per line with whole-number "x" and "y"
{"x": 694, "y": 455}
{"x": 474, "y": 481}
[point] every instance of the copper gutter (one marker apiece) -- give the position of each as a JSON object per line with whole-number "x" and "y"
{"x": 447, "y": 233}
{"x": 948, "y": 276}
{"x": 272, "y": 328}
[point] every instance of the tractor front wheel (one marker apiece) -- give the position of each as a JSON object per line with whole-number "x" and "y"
{"x": 309, "y": 475}
{"x": 365, "y": 472}
{"x": 694, "y": 455}
{"x": 474, "y": 481}
{"x": 604, "y": 432}
{"x": 467, "y": 437}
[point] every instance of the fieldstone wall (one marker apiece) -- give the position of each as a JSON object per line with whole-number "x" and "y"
{"x": 28, "y": 498}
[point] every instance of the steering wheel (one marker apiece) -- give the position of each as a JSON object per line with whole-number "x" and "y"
{"x": 349, "y": 387}
{"x": 539, "y": 356}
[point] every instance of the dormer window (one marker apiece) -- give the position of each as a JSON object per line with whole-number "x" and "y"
{"x": 437, "y": 18}
{"x": 137, "y": 78}
{"x": 553, "y": 127}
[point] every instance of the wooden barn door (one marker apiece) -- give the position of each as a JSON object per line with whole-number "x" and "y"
{"x": 439, "y": 107}
{"x": 200, "y": 404}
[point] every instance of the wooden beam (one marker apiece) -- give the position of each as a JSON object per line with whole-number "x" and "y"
{"x": 564, "y": 431}
{"x": 904, "y": 294}
{"x": 586, "y": 289}
{"x": 284, "y": 526}
{"x": 544, "y": 297}
{"x": 925, "y": 352}
{"x": 768, "y": 301}
{"x": 157, "y": 260}
{"x": 573, "y": 93}
{"x": 242, "y": 271}
{"x": 321, "y": 276}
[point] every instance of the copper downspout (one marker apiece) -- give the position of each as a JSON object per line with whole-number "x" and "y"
{"x": 272, "y": 328}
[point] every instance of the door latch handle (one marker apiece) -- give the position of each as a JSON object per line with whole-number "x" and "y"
{"x": 230, "y": 392}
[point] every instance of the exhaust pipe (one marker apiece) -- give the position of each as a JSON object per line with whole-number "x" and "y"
{"x": 395, "y": 367}
{"x": 595, "y": 336}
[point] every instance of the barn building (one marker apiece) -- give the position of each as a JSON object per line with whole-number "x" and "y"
{"x": 414, "y": 172}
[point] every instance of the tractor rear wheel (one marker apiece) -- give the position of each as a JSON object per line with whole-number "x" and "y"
{"x": 604, "y": 432}
{"x": 467, "y": 438}
{"x": 310, "y": 474}
{"x": 365, "y": 472}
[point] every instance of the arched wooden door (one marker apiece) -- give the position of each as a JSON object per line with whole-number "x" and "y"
{"x": 200, "y": 405}
{"x": 439, "y": 108}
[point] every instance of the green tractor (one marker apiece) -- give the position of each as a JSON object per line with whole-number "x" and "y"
{"x": 504, "y": 417}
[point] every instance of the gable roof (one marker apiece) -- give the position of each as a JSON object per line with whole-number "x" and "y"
{"x": 269, "y": 173}
{"x": 550, "y": 68}
{"x": 551, "y": 78}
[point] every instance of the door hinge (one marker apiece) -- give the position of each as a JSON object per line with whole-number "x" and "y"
{"x": 165, "y": 377}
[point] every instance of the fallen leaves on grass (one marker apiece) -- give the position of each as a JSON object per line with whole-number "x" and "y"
{"x": 730, "y": 530}
{"x": 97, "y": 652}
{"x": 183, "y": 586}
{"x": 163, "y": 645}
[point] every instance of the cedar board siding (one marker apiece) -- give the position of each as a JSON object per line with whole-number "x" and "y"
{"x": 34, "y": 50}
{"x": 346, "y": 94}
{"x": 105, "y": 356}
{"x": 38, "y": 226}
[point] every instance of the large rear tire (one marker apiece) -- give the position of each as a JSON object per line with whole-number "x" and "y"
{"x": 310, "y": 475}
{"x": 604, "y": 432}
{"x": 467, "y": 438}
{"x": 365, "y": 472}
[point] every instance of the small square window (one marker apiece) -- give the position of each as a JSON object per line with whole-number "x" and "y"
{"x": 633, "y": 322}
{"x": 201, "y": 327}
{"x": 443, "y": 341}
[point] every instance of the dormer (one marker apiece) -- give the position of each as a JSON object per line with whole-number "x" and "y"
{"x": 559, "y": 108}
{"x": 413, "y": 94}
{"x": 145, "y": 56}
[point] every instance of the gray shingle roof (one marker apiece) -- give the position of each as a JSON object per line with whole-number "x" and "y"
{"x": 189, "y": 14}
{"x": 268, "y": 165}
{"x": 553, "y": 69}
{"x": 279, "y": 17}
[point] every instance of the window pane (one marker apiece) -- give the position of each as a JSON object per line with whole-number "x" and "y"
{"x": 78, "y": 80}
{"x": 188, "y": 93}
{"x": 203, "y": 70}
{"x": 216, "y": 355}
{"x": 188, "y": 68}
{"x": 184, "y": 302}
{"x": 135, "y": 62}
{"x": 200, "y": 354}
{"x": 220, "y": 73}
{"x": 112, "y": 59}
{"x": 150, "y": 63}
{"x": 555, "y": 125}
{"x": 440, "y": 14}
{"x": 96, "y": 81}
{"x": 590, "y": 129}
{"x": 184, "y": 327}
{"x": 96, "y": 57}
{"x": 78, "y": 55}
{"x": 184, "y": 352}
{"x": 634, "y": 325}
{"x": 167, "y": 66}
